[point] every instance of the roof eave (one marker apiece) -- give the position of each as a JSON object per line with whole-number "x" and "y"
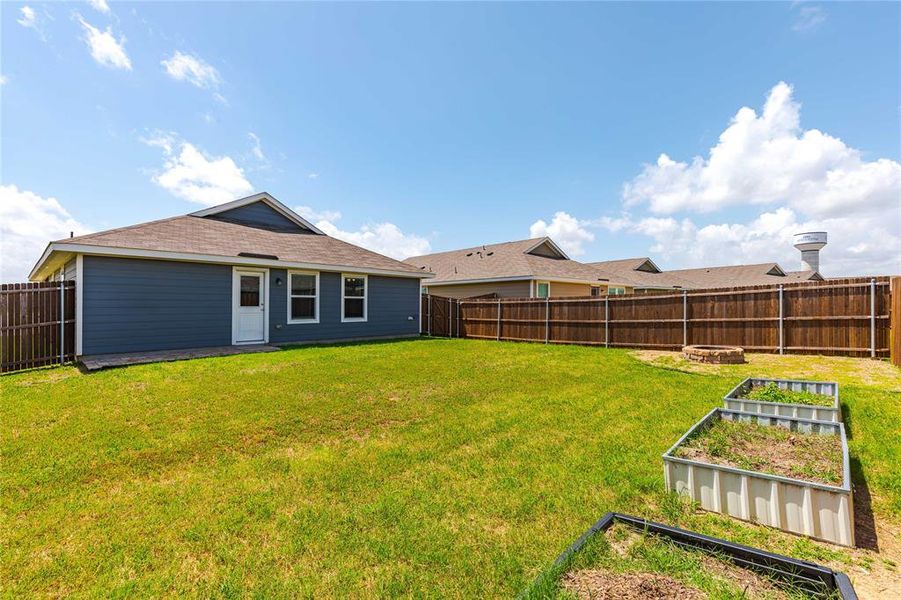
{"x": 123, "y": 252}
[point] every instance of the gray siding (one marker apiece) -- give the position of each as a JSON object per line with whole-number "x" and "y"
{"x": 259, "y": 214}
{"x": 391, "y": 301}
{"x": 134, "y": 305}
{"x": 70, "y": 269}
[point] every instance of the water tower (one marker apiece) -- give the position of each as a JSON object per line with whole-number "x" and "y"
{"x": 810, "y": 243}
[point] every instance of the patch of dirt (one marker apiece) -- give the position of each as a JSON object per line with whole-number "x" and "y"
{"x": 752, "y": 584}
{"x": 773, "y": 450}
{"x": 591, "y": 584}
{"x": 846, "y": 370}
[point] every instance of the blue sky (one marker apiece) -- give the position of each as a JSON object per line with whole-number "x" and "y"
{"x": 411, "y": 128}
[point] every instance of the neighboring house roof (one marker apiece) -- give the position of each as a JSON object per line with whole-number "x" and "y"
{"x": 536, "y": 258}
{"x": 208, "y": 236}
{"x": 638, "y": 271}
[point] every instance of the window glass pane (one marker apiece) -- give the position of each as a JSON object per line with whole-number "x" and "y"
{"x": 543, "y": 289}
{"x": 303, "y": 285}
{"x": 353, "y": 308}
{"x": 303, "y": 308}
{"x": 595, "y": 290}
{"x": 250, "y": 290}
{"x": 354, "y": 286}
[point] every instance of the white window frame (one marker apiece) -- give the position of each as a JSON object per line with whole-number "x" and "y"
{"x": 621, "y": 291}
{"x": 538, "y": 286}
{"x": 365, "y": 317}
{"x": 315, "y": 318}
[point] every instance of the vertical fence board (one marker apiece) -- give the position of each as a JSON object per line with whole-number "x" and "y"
{"x": 838, "y": 317}
{"x": 37, "y": 324}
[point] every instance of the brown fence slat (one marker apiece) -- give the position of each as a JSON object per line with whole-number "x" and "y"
{"x": 850, "y": 317}
{"x": 37, "y": 326}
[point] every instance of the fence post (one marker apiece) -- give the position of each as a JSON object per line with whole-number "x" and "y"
{"x": 547, "y": 319}
{"x": 684, "y": 317}
{"x": 498, "y": 319}
{"x": 459, "y": 302}
{"x": 781, "y": 320}
{"x": 450, "y": 317}
{"x": 429, "y": 317}
{"x": 873, "y": 318}
{"x": 606, "y": 321}
{"x": 62, "y": 320}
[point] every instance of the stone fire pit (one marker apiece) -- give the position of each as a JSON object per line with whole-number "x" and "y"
{"x": 717, "y": 355}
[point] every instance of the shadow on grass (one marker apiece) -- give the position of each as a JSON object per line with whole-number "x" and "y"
{"x": 864, "y": 522}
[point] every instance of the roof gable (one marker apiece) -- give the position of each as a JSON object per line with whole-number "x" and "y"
{"x": 548, "y": 249}
{"x": 259, "y": 210}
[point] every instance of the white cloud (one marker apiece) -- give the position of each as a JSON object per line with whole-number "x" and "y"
{"x": 312, "y": 175}
{"x": 193, "y": 69}
{"x": 191, "y": 175}
{"x": 384, "y": 238}
{"x": 565, "y": 230}
{"x": 808, "y": 179}
{"x": 857, "y": 246}
{"x": 27, "y": 223}
{"x": 4, "y": 79}
{"x": 767, "y": 159}
{"x": 105, "y": 48}
{"x": 311, "y": 214}
{"x": 28, "y": 18}
{"x": 99, "y": 5}
{"x": 809, "y": 18}
{"x": 257, "y": 149}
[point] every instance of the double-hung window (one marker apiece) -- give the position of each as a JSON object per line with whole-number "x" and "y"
{"x": 354, "y": 292}
{"x": 303, "y": 297}
{"x": 616, "y": 291}
{"x": 543, "y": 289}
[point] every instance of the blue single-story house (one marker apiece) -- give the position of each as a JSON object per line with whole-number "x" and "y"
{"x": 250, "y": 271}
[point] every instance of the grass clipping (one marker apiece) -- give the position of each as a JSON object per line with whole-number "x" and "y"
{"x": 768, "y": 449}
{"x": 773, "y": 393}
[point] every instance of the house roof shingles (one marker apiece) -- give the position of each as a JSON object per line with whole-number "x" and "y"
{"x": 704, "y": 277}
{"x": 497, "y": 261}
{"x": 199, "y": 235}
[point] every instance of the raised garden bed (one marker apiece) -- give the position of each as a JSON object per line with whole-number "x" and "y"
{"x": 626, "y": 557}
{"x": 767, "y": 477}
{"x": 815, "y": 400}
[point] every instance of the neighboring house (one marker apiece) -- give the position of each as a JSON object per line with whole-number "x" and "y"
{"x": 643, "y": 275}
{"x": 534, "y": 268}
{"x": 249, "y": 271}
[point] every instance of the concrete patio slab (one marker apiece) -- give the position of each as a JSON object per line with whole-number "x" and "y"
{"x": 106, "y": 361}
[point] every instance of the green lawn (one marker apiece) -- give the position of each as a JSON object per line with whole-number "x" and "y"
{"x": 424, "y": 467}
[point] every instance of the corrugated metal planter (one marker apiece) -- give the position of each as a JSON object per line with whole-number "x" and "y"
{"x": 821, "y": 511}
{"x": 734, "y": 401}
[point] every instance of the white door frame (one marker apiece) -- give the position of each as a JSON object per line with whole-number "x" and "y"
{"x": 236, "y": 291}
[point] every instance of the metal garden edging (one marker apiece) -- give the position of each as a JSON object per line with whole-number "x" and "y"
{"x": 734, "y": 401}
{"x": 817, "y": 510}
{"x": 812, "y": 578}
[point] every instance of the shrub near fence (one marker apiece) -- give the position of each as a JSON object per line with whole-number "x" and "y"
{"x": 37, "y": 324}
{"x": 849, "y": 317}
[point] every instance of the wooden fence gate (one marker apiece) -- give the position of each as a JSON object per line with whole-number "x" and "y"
{"x": 839, "y": 317}
{"x": 37, "y": 324}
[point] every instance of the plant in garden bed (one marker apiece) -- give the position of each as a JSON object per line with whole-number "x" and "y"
{"x": 625, "y": 563}
{"x": 768, "y": 449}
{"x": 773, "y": 393}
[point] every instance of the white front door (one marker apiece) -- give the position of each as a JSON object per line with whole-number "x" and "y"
{"x": 249, "y": 321}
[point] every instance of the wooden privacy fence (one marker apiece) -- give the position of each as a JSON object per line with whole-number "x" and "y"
{"x": 849, "y": 317}
{"x": 37, "y": 324}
